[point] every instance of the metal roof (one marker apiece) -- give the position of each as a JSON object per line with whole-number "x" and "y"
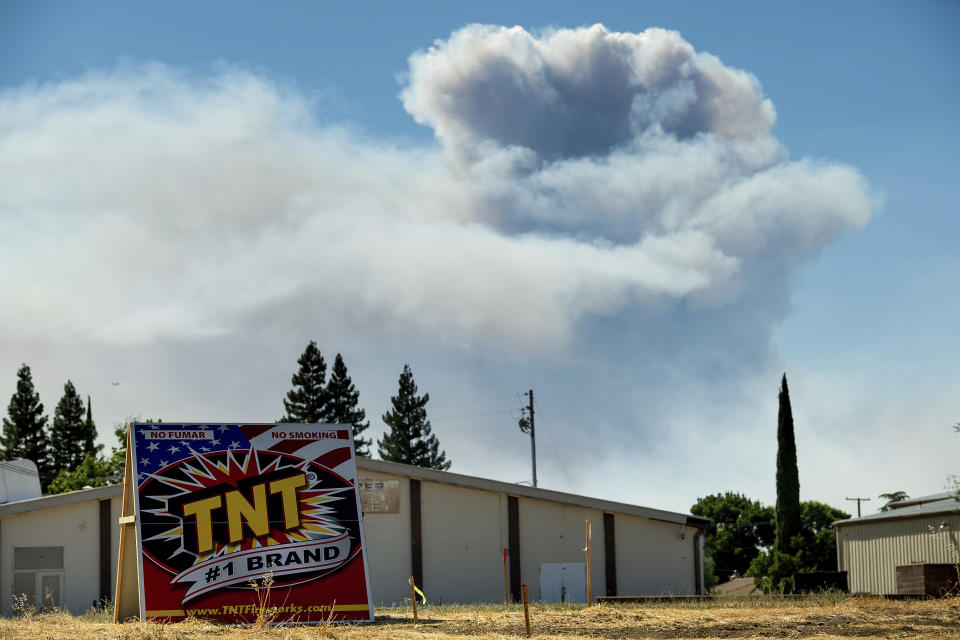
{"x": 60, "y": 500}
{"x": 938, "y": 503}
{"x": 420, "y": 473}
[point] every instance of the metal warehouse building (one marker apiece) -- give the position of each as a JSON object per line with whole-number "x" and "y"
{"x": 447, "y": 530}
{"x": 913, "y": 532}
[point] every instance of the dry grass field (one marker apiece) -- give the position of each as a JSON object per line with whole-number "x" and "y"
{"x": 815, "y": 617}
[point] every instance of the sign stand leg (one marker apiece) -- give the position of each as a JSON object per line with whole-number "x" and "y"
{"x": 126, "y": 598}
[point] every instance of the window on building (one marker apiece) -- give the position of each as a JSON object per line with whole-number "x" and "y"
{"x": 38, "y": 575}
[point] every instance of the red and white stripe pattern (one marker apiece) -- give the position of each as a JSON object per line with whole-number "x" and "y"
{"x": 334, "y": 453}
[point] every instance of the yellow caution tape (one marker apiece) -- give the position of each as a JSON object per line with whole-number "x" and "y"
{"x": 418, "y": 592}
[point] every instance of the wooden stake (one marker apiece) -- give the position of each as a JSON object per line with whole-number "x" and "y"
{"x": 506, "y": 588}
{"x": 526, "y": 607}
{"x": 587, "y": 549}
{"x": 413, "y": 601}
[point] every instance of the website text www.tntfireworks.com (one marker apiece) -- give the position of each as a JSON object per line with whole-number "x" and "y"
{"x": 246, "y": 609}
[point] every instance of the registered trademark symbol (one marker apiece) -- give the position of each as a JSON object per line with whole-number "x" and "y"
{"x": 311, "y": 476}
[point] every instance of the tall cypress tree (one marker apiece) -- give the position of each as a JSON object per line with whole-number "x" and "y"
{"x": 410, "y": 439}
{"x": 90, "y": 431}
{"x": 71, "y": 439}
{"x": 24, "y": 428}
{"x": 307, "y": 401}
{"x": 788, "y": 477}
{"x": 342, "y": 405}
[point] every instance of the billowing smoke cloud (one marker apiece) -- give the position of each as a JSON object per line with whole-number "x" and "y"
{"x": 624, "y": 136}
{"x": 585, "y": 171}
{"x": 615, "y": 201}
{"x": 581, "y": 92}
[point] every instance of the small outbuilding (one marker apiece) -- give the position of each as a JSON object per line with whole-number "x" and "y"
{"x": 907, "y": 540}
{"x": 447, "y": 530}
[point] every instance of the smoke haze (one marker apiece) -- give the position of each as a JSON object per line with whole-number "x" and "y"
{"x": 606, "y": 216}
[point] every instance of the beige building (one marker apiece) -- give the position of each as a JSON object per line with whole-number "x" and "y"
{"x": 920, "y": 531}
{"x": 447, "y": 530}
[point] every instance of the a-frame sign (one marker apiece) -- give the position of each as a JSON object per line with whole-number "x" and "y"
{"x": 214, "y": 512}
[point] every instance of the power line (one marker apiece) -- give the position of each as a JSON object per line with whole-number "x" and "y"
{"x": 473, "y": 415}
{"x": 556, "y": 452}
{"x": 477, "y": 400}
{"x": 15, "y": 469}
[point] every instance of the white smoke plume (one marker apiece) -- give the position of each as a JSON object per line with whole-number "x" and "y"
{"x": 584, "y": 172}
{"x": 613, "y": 201}
{"x": 578, "y": 92}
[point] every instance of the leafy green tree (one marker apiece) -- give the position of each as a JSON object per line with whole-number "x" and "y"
{"x": 410, "y": 439}
{"x": 70, "y": 438}
{"x": 24, "y": 428}
{"x": 307, "y": 401}
{"x": 118, "y": 454}
{"x": 892, "y": 497}
{"x": 342, "y": 405}
{"x": 815, "y": 549}
{"x": 93, "y": 471}
{"x": 710, "y": 579}
{"x": 773, "y": 571}
{"x": 788, "y": 476}
{"x": 739, "y": 529}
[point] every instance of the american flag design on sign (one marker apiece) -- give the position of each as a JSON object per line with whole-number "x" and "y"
{"x": 223, "y": 509}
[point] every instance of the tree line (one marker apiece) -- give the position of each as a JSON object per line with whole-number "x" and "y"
{"x": 59, "y": 448}
{"x": 741, "y": 540}
{"x": 410, "y": 438}
{"x": 68, "y": 458}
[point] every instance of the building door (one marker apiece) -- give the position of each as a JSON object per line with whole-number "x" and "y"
{"x": 563, "y": 582}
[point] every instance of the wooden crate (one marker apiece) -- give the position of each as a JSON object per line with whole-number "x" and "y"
{"x": 926, "y": 579}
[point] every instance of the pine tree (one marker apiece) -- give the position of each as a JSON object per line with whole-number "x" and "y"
{"x": 65, "y": 433}
{"x": 307, "y": 401}
{"x": 24, "y": 428}
{"x": 342, "y": 401}
{"x": 788, "y": 477}
{"x": 71, "y": 437}
{"x": 410, "y": 439}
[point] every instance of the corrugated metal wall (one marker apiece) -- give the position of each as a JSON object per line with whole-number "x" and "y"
{"x": 870, "y": 552}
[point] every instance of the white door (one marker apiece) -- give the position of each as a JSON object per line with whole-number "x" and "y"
{"x": 563, "y": 582}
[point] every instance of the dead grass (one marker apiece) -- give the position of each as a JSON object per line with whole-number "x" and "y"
{"x": 821, "y": 618}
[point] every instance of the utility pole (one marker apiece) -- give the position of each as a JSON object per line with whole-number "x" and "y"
{"x": 859, "y": 500}
{"x": 526, "y": 425}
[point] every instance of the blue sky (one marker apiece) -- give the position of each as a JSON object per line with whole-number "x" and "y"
{"x": 866, "y": 329}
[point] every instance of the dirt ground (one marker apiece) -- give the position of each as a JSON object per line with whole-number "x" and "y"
{"x": 734, "y": 618}
{"x": 737, "y": 587}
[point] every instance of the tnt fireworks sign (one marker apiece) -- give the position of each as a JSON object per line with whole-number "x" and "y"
{"x": 222, "y": 509}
